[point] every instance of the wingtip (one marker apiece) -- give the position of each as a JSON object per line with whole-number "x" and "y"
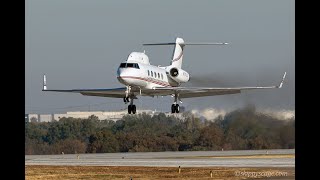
{"x": 284, "y": 76}
{"x": 44, "y": 83}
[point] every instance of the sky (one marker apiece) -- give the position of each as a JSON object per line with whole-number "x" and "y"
{"x": 80, "y": 44}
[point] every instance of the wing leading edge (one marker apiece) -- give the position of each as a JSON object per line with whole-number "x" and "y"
{"x": 184, "y": 92}
{"x": 114, "y": 92}
{"x": 189, "y": 92}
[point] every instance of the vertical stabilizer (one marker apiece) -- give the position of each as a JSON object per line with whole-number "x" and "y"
{"x": 178, "y": 53}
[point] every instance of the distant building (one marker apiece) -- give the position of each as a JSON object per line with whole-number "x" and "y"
{"x": 102, "y": 115}
{"x": 33, "y": 117}
{"x": 46, "y": 117}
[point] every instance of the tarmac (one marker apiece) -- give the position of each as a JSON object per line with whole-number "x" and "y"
{"x": 243, "y": 158}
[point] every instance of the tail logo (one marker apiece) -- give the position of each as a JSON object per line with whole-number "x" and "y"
{"x": 177, "y": 58}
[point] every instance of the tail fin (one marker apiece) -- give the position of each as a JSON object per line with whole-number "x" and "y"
{"x": 178, "y": 50}
{"x": 178, "y": 53}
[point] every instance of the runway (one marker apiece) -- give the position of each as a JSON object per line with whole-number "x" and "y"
{"x": 244, "y": 158}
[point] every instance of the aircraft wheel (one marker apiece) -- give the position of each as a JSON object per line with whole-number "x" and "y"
{"x": 129, "y": 109}
{"x": 134, "y": 109}
{"x": 173, "y": 108}
{"x": 177, "y": 108}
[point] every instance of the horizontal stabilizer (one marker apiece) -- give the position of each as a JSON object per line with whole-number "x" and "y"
{"x": 159, "y": 44}
{"x": 177, "y": 56}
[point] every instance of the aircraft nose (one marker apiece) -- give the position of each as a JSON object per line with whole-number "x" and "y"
{"x": 123, "y": 76}
{"x": 130, "y": 77}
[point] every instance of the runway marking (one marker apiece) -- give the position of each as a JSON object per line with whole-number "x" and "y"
{"x": 262, "y": 156}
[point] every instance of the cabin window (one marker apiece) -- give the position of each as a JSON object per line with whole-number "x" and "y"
{"x": 148, "y": 73}
{"x": 151, "y": 74}
{"x": 158, "y": 75}
{"x": 161, "y": 76}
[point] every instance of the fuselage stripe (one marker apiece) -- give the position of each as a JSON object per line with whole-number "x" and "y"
{"x": 148, "y": 80}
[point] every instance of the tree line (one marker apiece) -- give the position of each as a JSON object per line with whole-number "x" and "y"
{"x": 242, "y": 129}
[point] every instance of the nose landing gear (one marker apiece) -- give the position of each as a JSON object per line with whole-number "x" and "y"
{"x": 126, "y": 100}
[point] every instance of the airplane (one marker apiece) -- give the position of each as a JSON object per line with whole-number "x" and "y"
{"x": 143, "y": 79}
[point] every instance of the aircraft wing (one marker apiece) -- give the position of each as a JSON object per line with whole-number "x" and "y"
{"x": 184, "y": 92}
{"x": 114, "y": 92}
{"x": 189, "y": 92}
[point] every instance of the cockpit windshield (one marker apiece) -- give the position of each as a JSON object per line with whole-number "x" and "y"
{"x": 129, "y": 65}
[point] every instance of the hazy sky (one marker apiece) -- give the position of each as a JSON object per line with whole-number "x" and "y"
{"x": 80, "y": 44}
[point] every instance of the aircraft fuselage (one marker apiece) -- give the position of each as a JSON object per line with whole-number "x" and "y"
{"x": 138, "y": 73}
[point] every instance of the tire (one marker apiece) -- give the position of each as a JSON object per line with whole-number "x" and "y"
{"x": 173, "y": 108}
{"x": 134, "y": 109}
{"x": 177, "y": 108}
{"x": 129, "y": 109}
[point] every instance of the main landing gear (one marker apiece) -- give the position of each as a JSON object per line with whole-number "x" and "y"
{"x": 129, "y": 98}
{"x": 175, "y": 106}
{"x": 131, "y": 108}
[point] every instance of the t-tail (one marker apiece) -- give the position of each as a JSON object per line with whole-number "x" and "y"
{"x": 178, "y": 50}
{"x": 178, "y": 53}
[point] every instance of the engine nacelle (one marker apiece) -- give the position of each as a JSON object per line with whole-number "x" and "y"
{"x": 179, "y": 75}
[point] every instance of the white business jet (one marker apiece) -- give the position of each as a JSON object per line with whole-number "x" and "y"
{"x": 143, "y": 79}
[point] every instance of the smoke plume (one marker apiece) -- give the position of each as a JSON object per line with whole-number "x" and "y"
{"x": 211, "y": 113}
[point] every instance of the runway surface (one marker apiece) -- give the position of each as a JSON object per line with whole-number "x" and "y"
{"x": 252, "y": 158}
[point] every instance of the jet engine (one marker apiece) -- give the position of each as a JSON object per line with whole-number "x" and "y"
{"x": 179, "y": 75}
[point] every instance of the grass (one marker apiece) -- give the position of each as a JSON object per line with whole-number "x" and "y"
{"x": 35, "y": 172}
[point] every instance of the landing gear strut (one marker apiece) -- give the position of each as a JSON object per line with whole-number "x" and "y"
{"x": 175, "y": 106}
{"x": 132, "y": 108}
